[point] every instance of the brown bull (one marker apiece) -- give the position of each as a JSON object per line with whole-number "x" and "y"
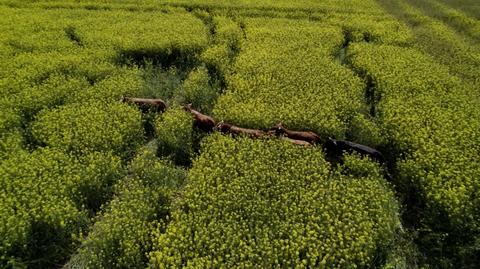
{"x": 202, "y": 121}
{"x": 297, "y": 142}
{"x": 146, "y": 105}
{"x": 306, "y": 136}
{"x": 235, "y": 130}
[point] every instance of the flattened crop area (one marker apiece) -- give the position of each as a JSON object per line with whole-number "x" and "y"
{"x": 92, "y": 175}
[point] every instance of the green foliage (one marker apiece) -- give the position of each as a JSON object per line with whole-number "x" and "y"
{"x": 366, "y": 131}
{"x": 11, "y": 143}
{"x": 33, "y": 69}
{"x": 174, "y": 132}
{"x": 198, "y": 91}
{"x": 65, "y": 64}
{"x": 53, "y": 91}
{"x": 459, "y": 20}
{"x": 120, "y": 82}
{"x": 376, "y": 28}
{"x": 229, "y": 33}
{"x": 269, "y": 203}
{"x": 37, "y": 82}
{"x": 227, "y": 42}
{"x": 220, "y": 56}
{"x": 470, "y": 7}
{"x": 32, "y": 33}
{"x": 122, "y": 235}
{"x": 9, "y": 119}
{"x": 44, "y": 202}
{"x": 243, "y": 7}
{"x": 156, "y": 171}
{"x": 62, "y": 74}
{"x": 355, "y": 166}
{"x": 63, "y": 30}
{"x": 80, "y": 128}
{"x": 218, "y": 59}
{"x": 165, "y": 84}
{"x": 11, "y": 138}
{"x": 441, "y": 42}
{"x": 76, "y": 63}
{"x": 433, "y": 119}
{"x": 269, "y": 7}
{"x": 119, "y": 30}
{"x": 286, "y": 73}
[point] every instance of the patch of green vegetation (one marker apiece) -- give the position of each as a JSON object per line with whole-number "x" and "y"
{"x": 431, "y": 121}
{"x": 123, "y": 233}
{"x": 46, "y": 202}
{"x": 270, "y": 203}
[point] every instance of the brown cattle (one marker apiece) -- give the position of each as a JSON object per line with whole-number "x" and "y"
{"x": 306, "y": 136}
{"x": 145, "y": 104}
{"x": 297, "y": 142}
{"x": 202, "y": 121}
{"x": 235, "y": 130}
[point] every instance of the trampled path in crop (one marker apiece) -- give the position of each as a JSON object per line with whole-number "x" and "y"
{"x": 90, "y": 182}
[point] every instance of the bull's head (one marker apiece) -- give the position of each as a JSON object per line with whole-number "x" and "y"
{"x": 188, "y": 107}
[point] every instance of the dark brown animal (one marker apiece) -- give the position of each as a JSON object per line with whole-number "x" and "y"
{"x": 235, "y": 130}
{"x": 202, "y": 121}
{"x": 306, "y": 136}
{"x": 337, "y": 147}
{"x": 297, "y": 142}
{"x": 146, "y": 105}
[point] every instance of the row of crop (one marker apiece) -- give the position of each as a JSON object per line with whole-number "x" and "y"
{"x": 471, "y": 7}
{"x": 245, "y": 7}
{"x": 440, "y": 41}
{"x": 378, "y": 28}
{"x": 431, "y": 120}
{"x": 269, "y": 203}
{"x": 217, "y": 58}
{"x": 88, "y": 128}
{"x": 116, "y": 34}
{"x": 364, "y": 26}
{"x": 61, "y": 78}
{"x": 123, "y": 233}
{"x": 82, "y": 128}
{"x": 11, "y": 137}
{"x": 46, "y": 200}
{"x": 286, "y": 73}
{"x": 456, "y": 18}
{"x": 50, "y": 196}
{"x": 42, "y": 68}
{"x": 53, "y": 59}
